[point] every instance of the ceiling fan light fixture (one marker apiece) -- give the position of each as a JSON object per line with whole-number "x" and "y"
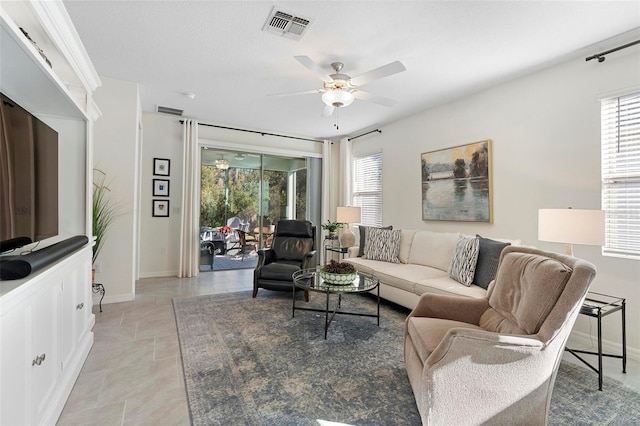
{"x": 222, "y": 164}
{"x": 338, "y": 98}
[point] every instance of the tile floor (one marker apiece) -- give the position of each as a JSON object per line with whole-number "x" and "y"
{"x": 133, "y": 374}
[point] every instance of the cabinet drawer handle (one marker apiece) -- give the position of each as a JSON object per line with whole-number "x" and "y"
{"x": 80, "y": 306}
{"x": 38, "y": 360}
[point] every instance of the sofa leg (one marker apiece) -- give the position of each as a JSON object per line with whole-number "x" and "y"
{"x": 255, "y": 291}
{"x": 306, "y": 295}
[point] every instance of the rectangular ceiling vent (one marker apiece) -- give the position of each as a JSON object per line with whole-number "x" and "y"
{"x": 286, "y": 24}
{"x": 167, "y": 110}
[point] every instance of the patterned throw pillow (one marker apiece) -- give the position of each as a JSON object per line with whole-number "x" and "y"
{"x": 382, "y": 244}
{"x": 363, "y": 237}
{"x": 465, "y": 256}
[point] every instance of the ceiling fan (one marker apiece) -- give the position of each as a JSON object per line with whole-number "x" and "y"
{"x": 340, "y": 90}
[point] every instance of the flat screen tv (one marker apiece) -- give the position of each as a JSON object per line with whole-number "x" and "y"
{"x": 28, "y": 176}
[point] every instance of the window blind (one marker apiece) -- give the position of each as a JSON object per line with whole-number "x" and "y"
{"x": 620, "y": 122}
{"x": 367, "y": 188}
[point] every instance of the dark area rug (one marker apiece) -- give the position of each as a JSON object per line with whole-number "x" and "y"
{"x": 247, "y": 362}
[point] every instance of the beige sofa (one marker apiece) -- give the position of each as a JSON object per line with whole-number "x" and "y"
{"x": 425, "y": 258}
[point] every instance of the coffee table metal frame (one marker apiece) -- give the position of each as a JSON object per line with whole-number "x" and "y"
{"x": 310, "y": 279}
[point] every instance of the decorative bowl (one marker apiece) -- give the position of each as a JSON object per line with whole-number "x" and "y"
{"x": 339, "y": 279}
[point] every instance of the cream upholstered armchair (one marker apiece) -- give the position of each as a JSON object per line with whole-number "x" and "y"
{"x": 494, "y": 360}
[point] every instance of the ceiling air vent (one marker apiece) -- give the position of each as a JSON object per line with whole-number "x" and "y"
{"x": 167, "y": 110}
{"x": 286, "y": 24}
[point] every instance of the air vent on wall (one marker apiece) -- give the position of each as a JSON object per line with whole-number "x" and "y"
{"x": 286, "y": 24}
{"x": 167, "y": 110}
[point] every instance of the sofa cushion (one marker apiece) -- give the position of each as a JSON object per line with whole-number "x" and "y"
{"x": 488, "y": 258}
{"x": 433, "y": 249}
{"x": 363, "y": 236}
{"x": 448, "y": 287}
{"x": 463, "y": 262}
{"x": 405, "y": 244}
{"x": 382, "y": 244}
{"x": 404, "y": 276}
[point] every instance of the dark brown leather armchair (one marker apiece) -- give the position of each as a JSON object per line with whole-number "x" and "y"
{"x": 293, "y": 248}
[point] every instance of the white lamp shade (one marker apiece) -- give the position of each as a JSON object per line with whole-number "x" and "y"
{"x": 571, "y": 226}
{"x": 348, "y": 214}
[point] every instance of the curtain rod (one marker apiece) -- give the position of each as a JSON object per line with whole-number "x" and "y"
{"x": 600, "y": 56}
{"x": 365, "y": 134}
{"x": 254, "y": 131}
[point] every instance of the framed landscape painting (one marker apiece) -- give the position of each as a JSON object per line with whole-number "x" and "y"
{"x": 456, "y": 183}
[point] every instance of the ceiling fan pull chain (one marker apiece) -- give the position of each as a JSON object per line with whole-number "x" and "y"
{"x": 336, "y": 124}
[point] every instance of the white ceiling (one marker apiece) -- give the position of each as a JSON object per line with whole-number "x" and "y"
{"x": 218, "y": 51}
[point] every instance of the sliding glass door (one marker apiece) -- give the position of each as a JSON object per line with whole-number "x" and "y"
{"x": 243, "y": 195}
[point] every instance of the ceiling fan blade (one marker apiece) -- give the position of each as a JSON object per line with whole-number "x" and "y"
{"x": 369, "y": 97}
{"x": 383, "y": 71}
{"x": 314, "y": 68}
{"x": 297, "y": 93}
{"x": 328, "y": 111}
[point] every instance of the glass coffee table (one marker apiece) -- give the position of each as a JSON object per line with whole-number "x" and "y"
{"x": 310, "y": 279}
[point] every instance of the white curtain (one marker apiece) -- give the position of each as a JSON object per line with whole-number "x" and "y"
{"x": 346, "y": 152}
{"x": 190, "y": 229}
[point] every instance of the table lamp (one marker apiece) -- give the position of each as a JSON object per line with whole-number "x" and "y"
{"x": 571, "y": 226}
{"x": 348, "y": 215}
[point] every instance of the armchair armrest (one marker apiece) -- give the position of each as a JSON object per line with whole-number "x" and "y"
{"x": 265, "y": 256}
{"x": 465, "y": 309}
{"x": 308, "y": 261}
{"x": 353, "y": 251}
{"x": 488, "y": 347}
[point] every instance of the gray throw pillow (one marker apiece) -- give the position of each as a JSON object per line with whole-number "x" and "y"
{"x": 363, "y": 236}
{"x": 488, "y": 258}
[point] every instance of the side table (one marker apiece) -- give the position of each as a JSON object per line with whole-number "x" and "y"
{"x": 342, "y": 251}
{"x": 598, "y": 305}
{"x": 98, "y": 288}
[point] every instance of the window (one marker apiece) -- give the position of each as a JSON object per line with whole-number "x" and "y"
{"x": 621, "y": 175}
{"x": 367, "y": 188}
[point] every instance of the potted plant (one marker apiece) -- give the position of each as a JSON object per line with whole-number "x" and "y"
{"x": 104, "y": 212}
{"x": 341, "y": 273}
{"x": 332, "y": 227}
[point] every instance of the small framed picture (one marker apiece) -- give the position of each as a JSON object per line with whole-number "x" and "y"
{"x": 160, "y": 188}
{"x": 161, "y": 166}
{"x": 160, "y": 208}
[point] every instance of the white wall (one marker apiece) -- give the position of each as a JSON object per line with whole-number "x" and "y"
{"x": 545, "y": 130}
{"x": 114, "y": 152}
{"x": 159, "y": 237}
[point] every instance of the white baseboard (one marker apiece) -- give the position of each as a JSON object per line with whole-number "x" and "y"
{"x": 584, "y": 341}
{"x": 113, "y": 299}
{"x": 158, "y": 274}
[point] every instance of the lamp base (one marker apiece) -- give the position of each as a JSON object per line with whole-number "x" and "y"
{"x": 347, "y": 239}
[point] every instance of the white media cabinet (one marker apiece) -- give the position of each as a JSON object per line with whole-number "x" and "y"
{"x": 45, "y": 336}
{"x": 46, "y": 319}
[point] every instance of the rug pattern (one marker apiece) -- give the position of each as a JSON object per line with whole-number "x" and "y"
{"x": 247, "y": 361}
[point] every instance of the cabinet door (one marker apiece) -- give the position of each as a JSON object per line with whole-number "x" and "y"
{"x": 44, "y": 345}
{"x": 15, "y": 365}
{"x": 75, "y": 305}
{"x": 83, "y": 294}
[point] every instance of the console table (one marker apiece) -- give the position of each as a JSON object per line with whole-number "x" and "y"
{"x": 598, "y": 305}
